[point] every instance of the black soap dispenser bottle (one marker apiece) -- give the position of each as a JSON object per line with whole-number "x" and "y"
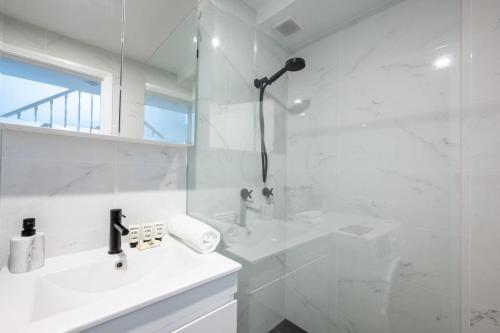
{"x": 27, "y": 252}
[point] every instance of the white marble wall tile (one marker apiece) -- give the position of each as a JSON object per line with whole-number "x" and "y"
{"x": 480, "y": 123}
{"x": 259, "y": 274}
{"x": 484, "y": 320}
{"x": 482, "y": 192}
{"x": 266, "y": 307}
{"x": 61, "y": 182}
{"x": 311, "y": 288}
{"x": 382, "y": 139}
{"x": 416, "y": 309}
{"x": 25, "y": 145}
{"x": 70, "y": 184}
{"x": 482, "y": 61}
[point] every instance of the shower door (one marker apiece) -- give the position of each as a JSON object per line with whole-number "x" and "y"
{"x": 362, "y": 233}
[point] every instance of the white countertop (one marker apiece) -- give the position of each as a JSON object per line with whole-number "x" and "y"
{"x": 74, "y": 292}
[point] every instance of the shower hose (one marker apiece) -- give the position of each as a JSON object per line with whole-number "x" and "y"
{"x": 263, "y": 151}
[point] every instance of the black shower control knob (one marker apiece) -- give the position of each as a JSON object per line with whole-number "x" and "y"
{"x": 246, "y": 194}
{"x": 267, "y": 192}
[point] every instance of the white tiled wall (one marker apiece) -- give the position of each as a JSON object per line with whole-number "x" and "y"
{"x": 381, "y": 140}
{"x": 69, "y": 185}
{"x": 379, "y": 149}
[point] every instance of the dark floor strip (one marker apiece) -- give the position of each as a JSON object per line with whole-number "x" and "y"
{"x": 286, "y": 326}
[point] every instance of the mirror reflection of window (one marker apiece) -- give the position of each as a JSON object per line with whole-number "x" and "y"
{"x": 159, "y": 66}
{"x": 38, "y": 95}
{"x": 166, "y": 117}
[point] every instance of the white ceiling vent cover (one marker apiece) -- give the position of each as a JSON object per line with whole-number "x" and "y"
{"x": 287, "y": 27}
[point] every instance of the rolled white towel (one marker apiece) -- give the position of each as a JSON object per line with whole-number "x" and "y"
{"x": 229, "y": 232}
{"x": 196, "y": 234}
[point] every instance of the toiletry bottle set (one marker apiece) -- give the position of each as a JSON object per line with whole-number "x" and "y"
{"x": 145, "y": 236}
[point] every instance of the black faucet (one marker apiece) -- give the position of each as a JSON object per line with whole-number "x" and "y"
{"x": 116, "y": 231}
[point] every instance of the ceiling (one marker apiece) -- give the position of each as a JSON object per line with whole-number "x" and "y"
{"x": 149, "y": 23}
{"x": 158, "y": 30}
{"x": 316, "y": 17}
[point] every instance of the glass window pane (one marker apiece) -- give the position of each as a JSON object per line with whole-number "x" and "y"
{"x": 38, "y": 95}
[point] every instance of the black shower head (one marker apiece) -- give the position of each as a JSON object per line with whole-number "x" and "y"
{"x": 292, "y": 65}
{"x": 295, "y": 64}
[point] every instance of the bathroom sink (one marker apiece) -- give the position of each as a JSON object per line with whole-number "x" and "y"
{"x": 74, "y": 292}
{"x": 97, "y": 278}
{"x": 86, "y": 283}
{"x": 104, "y": 275}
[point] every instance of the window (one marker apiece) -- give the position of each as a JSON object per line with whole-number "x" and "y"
{"x": 167, "y": 118}
{"x": 35, "y": 94}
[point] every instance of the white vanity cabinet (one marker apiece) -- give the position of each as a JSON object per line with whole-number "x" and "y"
{"x": 170, "y": 288}
{"x": 210, "y": 307}
{"x": 221, "y": 320}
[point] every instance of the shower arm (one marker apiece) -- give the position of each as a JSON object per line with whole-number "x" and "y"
{"x": 265, "y": 81}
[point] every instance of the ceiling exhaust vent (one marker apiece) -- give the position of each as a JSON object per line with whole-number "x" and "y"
{"x": 287, "y": 27}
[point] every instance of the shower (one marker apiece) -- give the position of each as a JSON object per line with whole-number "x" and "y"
{"x": 347, "y": 106}
{"x": 292, "y": 65}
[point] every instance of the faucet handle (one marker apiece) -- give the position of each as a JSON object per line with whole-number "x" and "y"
{"x": 267, "y": 192}
{"x": 116, "y": 214}
{"x": 246, "y": 194}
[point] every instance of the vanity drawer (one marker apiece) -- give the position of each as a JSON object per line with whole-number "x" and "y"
{"x": 204, "y": 305}
{"x": 221, "y": 320}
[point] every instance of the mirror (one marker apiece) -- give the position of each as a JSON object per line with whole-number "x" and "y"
{"x": 159, "y": 70}
{"x": 63, "y": 66}
{"x": 60, "y": 64}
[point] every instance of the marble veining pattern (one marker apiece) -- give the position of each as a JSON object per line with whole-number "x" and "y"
{"x": 70, "y": 184}
{"x": 380, "y": 140}
{"x": 490, "y": 316}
